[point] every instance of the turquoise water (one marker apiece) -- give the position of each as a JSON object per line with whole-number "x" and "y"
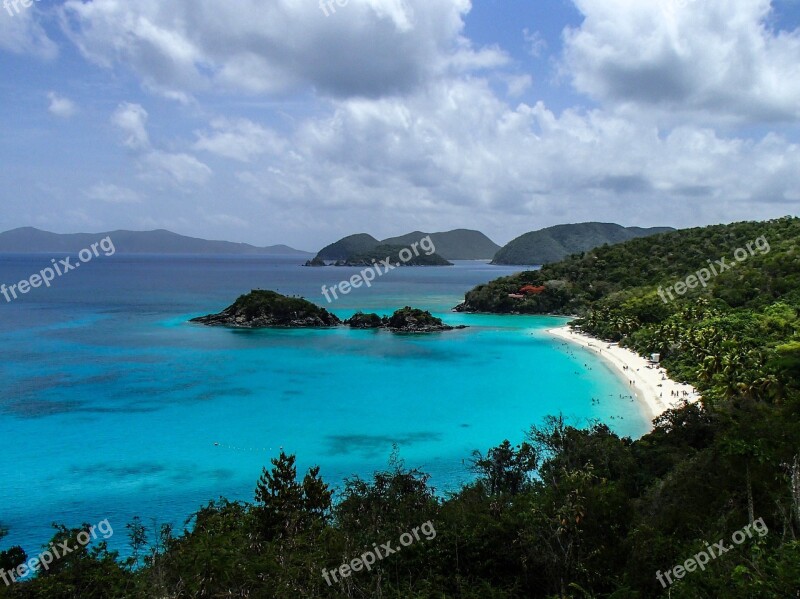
{"x": 115, "y": 406}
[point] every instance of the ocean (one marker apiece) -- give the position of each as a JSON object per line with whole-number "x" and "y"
{"x": 113, "y": 405}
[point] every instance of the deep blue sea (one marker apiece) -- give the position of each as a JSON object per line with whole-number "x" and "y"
{"x": 113, "y": 405}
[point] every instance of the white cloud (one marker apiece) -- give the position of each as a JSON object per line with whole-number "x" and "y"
{"x": 456, "y": 149}
{"x": 239, "y": 139}
{"x": 156, "y": 165}
{"x": 371, "y": 48}
{"x": 518, "y": 84}
{"x": 711, "y": 58}
{"x": 535, "y": 42}
{"x": 178, "y": 168}
{"x": 112, "y": 194}
{"x": 61, "y": 106}
{"x": 132, "y": 121}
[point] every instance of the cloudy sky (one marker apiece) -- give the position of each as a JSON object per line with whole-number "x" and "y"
{"x": 283, "y": 121}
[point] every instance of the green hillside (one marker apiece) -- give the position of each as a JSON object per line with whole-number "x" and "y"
{"x": 573, "y": 284}
{"x": 556, "y": 243}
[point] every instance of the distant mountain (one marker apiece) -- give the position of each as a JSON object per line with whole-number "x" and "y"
{"x": 28, "y": 240}
{"x": 556, "y": 243}
{"x": 460, "y": 244}
{"x": 349, "y": 246}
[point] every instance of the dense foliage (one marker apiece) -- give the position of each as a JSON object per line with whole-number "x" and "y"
{"x": 616, "y": 272}
{"x": 370, "y": 320}
{"x": 570, "y": 512}
{"x": 261, "y": 301}
{"x": 404, "y": 317}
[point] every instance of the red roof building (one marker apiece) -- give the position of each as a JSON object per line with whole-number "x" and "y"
{"x": 532, "y": 290}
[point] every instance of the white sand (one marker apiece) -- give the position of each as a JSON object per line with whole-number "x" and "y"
{"x": 653, "y": 387}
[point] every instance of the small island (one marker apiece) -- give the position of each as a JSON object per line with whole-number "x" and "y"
{"x": 315, "y": 261}
{"x": 405, "y": 320}
{"x": 359, "y": 320}
{"x": 261, "y": 309}
{"x": 394, "y": 254}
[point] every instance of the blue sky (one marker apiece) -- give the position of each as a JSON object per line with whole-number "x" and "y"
{"x": 267, "y": 121}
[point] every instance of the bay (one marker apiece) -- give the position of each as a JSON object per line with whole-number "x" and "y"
{"x": 113, "y": 405}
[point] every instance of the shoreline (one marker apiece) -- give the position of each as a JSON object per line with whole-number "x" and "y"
{"x": 654, "y": 390}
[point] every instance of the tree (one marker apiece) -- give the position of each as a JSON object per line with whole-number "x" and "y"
{"x": 137, "y": 536}
{"x": 284, "y": 506}
{"x": 506, "y": 469}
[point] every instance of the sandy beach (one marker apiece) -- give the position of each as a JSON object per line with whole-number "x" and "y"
{"x": 654, "y": 389}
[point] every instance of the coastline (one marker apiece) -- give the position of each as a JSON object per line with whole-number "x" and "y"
{"x": 655, "y": 391}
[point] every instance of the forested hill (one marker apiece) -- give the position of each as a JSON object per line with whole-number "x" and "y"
{"x": 574, "y": 284}
{"x": 556, "y": 243}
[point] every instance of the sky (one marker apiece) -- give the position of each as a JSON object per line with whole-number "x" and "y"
{"x": 291, "y": 121}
